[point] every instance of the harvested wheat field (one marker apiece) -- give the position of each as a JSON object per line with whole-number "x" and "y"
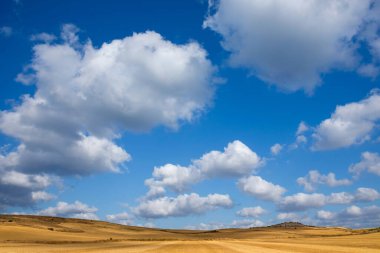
{"x": 49, "y": 234}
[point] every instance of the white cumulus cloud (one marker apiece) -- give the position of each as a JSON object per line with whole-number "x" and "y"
{"x": 366, "y": 194}
{"x": 288, "y": 216}
{"x": 251, "y": 211}
{"x": 236, "y": 160}
{"x": 301, "y": 138}
{"x": 314, "y": 178}
{"x": 352, "y": 216}
{"x": 325, "y": 215}
{"x": 276, "y": 149}
{"x": 350, "y": 124}
{"x": 260, "y": 188}
{"x": 182, "y": 205}
{"x": 302, "y": 128}
{"x": 24, "y": 180}
{"x": 120, "y": 218}
{"x": 246, "y": 223}
{"x": 86, "y": 97}
{"x": 73, "y": 210}
{"x": 22, "y": 189}
{"x": 42, "y": 196}
{"x": 304, "y": 201}
{"x": 370, "y": 162}
{"x": 291, "y": 43}
{"x": 44, "y": 37}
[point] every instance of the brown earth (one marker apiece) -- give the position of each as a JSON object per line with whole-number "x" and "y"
{"x": 48, "y": 234}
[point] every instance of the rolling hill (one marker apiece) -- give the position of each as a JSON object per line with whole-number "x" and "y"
{"x": 26, "y": 233}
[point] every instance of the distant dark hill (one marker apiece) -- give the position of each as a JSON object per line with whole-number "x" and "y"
{"x": 289, "y": 225}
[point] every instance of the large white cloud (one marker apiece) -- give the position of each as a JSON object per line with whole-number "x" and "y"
{"x": 371, "y": 36}
{"x": 370, "y": 162}
{"x": 236, "y": 160}
{"x": 73, "y": 210}
{"x": 260, "y": 188}
{"x": 350, "y": 124}
{"x": 314, "y": 178}
{"x": 87, "y": 96}
{"x": 182, "y": 205}
{"x": 291, "y": 43}
{"x": 304, "y": 201}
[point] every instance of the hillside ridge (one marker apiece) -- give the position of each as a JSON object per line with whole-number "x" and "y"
{"x": 21, "y": 218}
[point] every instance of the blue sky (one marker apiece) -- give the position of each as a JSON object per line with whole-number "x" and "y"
{"x": 191, "y": 113}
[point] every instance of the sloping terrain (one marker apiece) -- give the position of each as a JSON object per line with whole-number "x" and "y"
{"x": 51, "y": 234}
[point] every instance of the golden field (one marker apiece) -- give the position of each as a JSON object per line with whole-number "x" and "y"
{"x": 47, "y": 234}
